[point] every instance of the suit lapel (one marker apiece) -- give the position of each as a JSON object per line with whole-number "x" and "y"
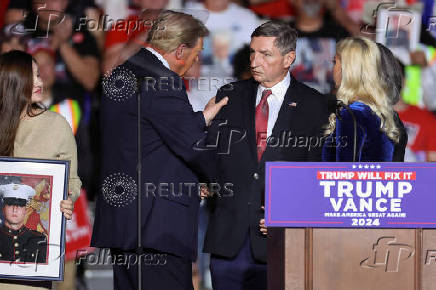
{"x": 249, "y": 110}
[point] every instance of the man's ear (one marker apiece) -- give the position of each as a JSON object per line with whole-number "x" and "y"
{"x": 289, "y": 59}
{"x": 180, "y": 50}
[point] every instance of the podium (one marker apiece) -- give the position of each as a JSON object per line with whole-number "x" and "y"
{"x": 307, "y": 251}
{"x": 330, "y": 259}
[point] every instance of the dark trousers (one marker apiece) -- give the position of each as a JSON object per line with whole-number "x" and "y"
{"x": 159, "y": 271}
{"x": 239, "y": 273}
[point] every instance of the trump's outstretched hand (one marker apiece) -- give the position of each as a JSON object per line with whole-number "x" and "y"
{"x": 212, "y": 109}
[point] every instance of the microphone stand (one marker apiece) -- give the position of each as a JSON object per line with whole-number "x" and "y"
{"x": 139, "y": 250}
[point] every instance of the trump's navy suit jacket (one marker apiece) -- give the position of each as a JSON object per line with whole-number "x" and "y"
{"x": 171, "y": 164}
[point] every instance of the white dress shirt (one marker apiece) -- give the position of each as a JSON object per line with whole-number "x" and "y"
{"x": 159, "y": 56}
{"x": 275, "y": 100}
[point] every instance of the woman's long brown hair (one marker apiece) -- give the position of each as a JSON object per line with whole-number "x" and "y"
{"x": 16, "y": 85}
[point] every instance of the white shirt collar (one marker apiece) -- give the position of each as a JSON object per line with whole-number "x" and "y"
{"x": 279, "y": 89}
{"x": 159, "y": 56}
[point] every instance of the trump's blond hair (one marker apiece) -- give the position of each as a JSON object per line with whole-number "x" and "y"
{"x": 172, "y": 29}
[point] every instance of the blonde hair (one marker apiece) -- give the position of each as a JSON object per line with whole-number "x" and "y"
{"x": 172, "y": 29}
{"x": 360, "y": 59}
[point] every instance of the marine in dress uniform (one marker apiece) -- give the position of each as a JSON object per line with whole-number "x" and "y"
{"x": 18, "y": 243}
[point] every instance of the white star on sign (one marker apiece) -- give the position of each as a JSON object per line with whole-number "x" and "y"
{"x": 360, "y": 166}
{"x": 354, "y": 166}
{"x": 372, "y": 166}
{"x": 366, "y": 166}
{"x": 378, "y": 166}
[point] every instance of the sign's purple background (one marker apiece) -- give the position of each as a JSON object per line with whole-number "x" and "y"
{"x": 297, "y": 200}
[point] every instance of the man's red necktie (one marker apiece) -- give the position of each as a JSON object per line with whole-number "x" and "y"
{"x": 262, "y": 111}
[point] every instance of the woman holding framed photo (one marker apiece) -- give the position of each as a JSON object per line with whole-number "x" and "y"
{"x": 29, "y": 131}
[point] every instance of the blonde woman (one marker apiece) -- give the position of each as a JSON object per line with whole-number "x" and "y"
{"x": 363, "y": 129}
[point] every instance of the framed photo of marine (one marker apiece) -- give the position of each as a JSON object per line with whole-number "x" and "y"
{"x": 32, "y": 227}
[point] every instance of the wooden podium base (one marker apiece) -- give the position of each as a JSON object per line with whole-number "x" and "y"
{"x": 351, "y": 259}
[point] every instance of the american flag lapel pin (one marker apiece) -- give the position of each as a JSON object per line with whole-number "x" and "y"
{"x": 292, "y": 104}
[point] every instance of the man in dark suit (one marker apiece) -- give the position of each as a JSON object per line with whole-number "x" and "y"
{"x": 274, "y": 118}
{"x": 171, "y": 165}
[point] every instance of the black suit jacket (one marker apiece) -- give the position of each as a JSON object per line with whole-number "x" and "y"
{"x": 400, "y": 147}
{"x": 233, "y": 215}
{"x": 171, "y": 164}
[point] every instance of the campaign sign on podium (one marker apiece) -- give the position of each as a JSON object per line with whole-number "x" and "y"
{"x": 350, "y": 195}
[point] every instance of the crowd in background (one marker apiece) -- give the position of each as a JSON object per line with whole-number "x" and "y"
{"x": 76, "y": 43}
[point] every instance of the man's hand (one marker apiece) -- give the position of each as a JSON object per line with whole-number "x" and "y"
{"x": 262, "y": 226}
{"x": 212, "y": 109}
{"x": 62, "y": 32}
{"x": 204, "y": 192}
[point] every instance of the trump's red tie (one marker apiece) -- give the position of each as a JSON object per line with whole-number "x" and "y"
{"x": 262, "y": 111}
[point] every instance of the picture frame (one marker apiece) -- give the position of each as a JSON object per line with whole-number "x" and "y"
{"x": 32, "y": 237}
{"x": 399, "y": 30}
